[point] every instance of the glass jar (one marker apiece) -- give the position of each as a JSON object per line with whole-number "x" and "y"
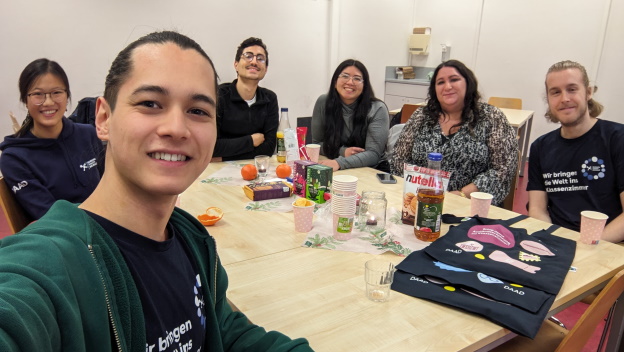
{"x": 372, "y": 214}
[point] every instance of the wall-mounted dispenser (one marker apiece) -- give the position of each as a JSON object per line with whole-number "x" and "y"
{"x": 419, "y": 41}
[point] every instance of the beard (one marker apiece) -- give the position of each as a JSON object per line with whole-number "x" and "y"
{"x": 574, "y": 121}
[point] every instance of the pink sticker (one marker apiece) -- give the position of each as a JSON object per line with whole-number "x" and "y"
{"x": 495, "y": 234}
{"x": 470, "y": 246}
{"x": 536, "y": 247}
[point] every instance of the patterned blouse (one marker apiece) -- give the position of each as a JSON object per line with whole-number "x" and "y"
{"x": 486, "y": 156}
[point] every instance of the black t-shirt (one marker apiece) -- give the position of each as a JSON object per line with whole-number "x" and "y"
{"x": 584, "y": 173}
{"x": 168, "y": 285}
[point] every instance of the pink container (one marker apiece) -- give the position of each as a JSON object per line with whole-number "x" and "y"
{"x": 303, "y": 218}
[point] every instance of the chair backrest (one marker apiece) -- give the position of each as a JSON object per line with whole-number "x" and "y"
{"x": 407, "y": 111}
{"x": 13, "y": 212}
{"x": 306, "y": 122}
{"x": 508, "y": 103}
{"x": 595, "y": 313}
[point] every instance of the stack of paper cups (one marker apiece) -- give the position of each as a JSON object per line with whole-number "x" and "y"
{"x": 344, "y": 186}
{"x": 343, "y": 205}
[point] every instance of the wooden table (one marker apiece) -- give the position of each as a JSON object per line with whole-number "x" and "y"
{"x": 319, "y": 294}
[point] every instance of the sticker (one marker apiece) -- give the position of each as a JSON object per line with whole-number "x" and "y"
{"x": 502, "y": 257}
{"x": 536, "y": 247}
{"x": 449, "y": 288}
{"x": 479, "y": 256}
{"x": 488, "y": 279}
{"x": 495, "y": 234}
{"x": 527, "y": 257}
{"x": 470, "y": 246}
{"x": 449, "y": 267}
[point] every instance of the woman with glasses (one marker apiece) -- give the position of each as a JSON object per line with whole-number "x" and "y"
{"x": 478, "y": 144}
{"x": 349, "y": 122}
{"x": 49, "y": 157}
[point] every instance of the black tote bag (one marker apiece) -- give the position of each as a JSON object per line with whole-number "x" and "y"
{"x": 540, "y": 260}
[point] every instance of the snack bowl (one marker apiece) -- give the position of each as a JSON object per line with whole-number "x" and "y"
{"x": 211, "y": 216}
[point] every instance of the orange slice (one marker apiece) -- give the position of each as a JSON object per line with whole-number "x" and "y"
{"x": 212, "y": 215}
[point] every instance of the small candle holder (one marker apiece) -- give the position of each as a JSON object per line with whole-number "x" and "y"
{"x": 372, "y": 215}
{"x": 262, "y": 165}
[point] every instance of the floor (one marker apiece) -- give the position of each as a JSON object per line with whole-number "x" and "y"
{"x": 568, "y": 317}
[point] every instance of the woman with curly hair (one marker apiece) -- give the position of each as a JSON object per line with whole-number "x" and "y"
{"x": 478, "y": 144}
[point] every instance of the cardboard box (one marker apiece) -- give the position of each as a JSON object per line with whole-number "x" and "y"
{"x": 267, "y": 190}
{"x": 299, "y": 176}
{"x": 318, "y": 182}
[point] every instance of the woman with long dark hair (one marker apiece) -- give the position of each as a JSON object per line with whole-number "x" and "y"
{"x": 49, "y": 157}
{"x": 478, "y": 144}
{"x": 349, "y": 122}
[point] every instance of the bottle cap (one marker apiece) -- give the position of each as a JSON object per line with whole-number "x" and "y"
{"x": 435, "y": 156}
{"x": 284, "y": 109}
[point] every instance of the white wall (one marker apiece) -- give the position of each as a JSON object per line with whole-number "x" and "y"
{"x": 85, "y": 36}
{"x": 509, "y": 44}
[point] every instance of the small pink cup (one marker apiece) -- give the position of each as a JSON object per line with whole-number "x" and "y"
{"x": 313, "y": 151}
{"x": 480, "y": 203}
{"x": 303, "y": 217}
{"x": 592, "y": 225}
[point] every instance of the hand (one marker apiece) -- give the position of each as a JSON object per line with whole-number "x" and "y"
{"x": 258, "y": 138}
{"x": 331, "y": 163}
{"x": 353, "y": 150}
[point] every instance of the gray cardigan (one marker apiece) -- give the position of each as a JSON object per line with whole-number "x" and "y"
{"x": 376, "y": 134}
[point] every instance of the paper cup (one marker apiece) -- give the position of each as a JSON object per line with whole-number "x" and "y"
{"x": 344, "y": 185}
{"x": 480, "y": 203}
{"x": 313, "y": 151}
{"x": 303, "y": 217}
{"x": 342, "y": 226}
{"x": 592, "y": 225}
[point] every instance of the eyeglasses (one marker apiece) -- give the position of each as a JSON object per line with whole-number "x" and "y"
{"x": 57, "y": 96}
{"x": 249, "y": 56}
{"x": 356, "y": 79}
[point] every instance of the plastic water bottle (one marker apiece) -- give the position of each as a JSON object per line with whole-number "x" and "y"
{"x": 284, "y": 124}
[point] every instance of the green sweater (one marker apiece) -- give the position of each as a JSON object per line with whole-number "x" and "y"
{"x": 64, "y": 286}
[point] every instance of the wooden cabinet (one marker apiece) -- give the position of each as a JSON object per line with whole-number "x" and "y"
{"x": 397, "y": 94}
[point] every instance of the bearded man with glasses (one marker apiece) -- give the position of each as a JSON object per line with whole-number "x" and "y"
{"x": 247, "y": 115}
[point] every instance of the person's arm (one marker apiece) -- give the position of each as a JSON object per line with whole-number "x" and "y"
{"x": 503, "y": 161}
{"x": 269, "y": 115}
{"x": 38, "y": 295}
{"x": 226, "y": 148}
{"x": 614, "y": 231}
{"x": 269, "y": 130}
{"x": 538, "y": 205}
{"x": 402, "y": 152}
{"x": 29, "y": 192}
{"x": 318, "y": 122}
{"x": 376, "y": 140}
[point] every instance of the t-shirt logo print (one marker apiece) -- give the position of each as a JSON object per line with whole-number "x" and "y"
{"x": 199, "y": 301}
{"x": 593, "y": 168}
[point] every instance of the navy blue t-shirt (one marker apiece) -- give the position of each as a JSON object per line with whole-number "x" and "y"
{"x": 584, "y": 173}
{"x": 169, "y": 287}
